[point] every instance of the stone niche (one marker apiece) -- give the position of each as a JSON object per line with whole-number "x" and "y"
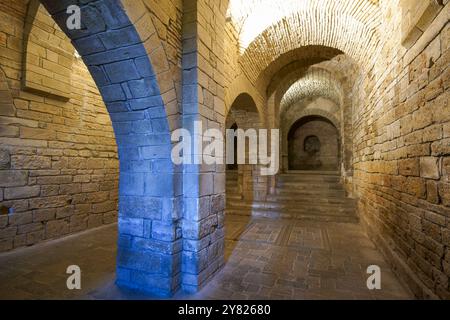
{"x": 48, "y": 55}
{"x": 417, "y": 17}
{"x": 314, "y": 145}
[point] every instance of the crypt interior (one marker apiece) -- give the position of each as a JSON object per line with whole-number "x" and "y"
{"x": 358, "y": 89}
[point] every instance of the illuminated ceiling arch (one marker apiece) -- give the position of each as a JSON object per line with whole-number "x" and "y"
{"x": 269, "y": 28}
{"x": 316, "y": 83}
{"x": 341, "y": 70}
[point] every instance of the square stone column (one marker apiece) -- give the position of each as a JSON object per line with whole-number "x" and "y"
{"x": 203, "y": 185}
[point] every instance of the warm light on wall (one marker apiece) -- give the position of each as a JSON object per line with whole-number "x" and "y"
{"x": 252, "y": 17}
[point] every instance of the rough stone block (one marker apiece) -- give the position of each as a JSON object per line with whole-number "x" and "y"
{"x": 34, "y": 237}
{"x": 22, "y": 192}
{"x": 164, "y": 247}
{"x": 432, "y": 192}
{"x": 43, "y": 215}
{"x": 140, "y": 261}
{"x": 96, "y": 220}
{"x": 30, "y": 162}
{"x": 6, "y": 245}
{"x": 409, "y": 167}
{"x": 131, "y": 226}
{"x": 444, "y": 193}
{"x": 429, "y": 168}
{"x": 120, "y": 38}
{"x": 5, "y": 160}
{"x": 197, "y": 209}
{"x": 144, "y": 67}
{"x": 163, "y": 231}
{"x": 29, "y": 228}
{"x": 132, "y": 184}
{"x": 197, "y": 230}
{"x": 112, "y": 93}
{"x": 56, "y": 228}
{"x": 13, "y": 178}
{"x": 140, "y": 207}
{"x": 20, "y": 218}
{"x": 121, "y": 71}
{"x": 147, "y": 87}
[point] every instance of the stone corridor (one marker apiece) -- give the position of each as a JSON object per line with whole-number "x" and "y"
{"x": 225, "y": 148}
{"x": 266, "y": 259}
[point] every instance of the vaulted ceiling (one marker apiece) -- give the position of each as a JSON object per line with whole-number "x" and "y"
{"x": 269, "y": 29}
{"x": 316, "y": 83}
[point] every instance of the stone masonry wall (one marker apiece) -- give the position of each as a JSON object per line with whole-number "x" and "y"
{"x": 402, "y": 149}
{"x": 58, "y": 167}
{"x": 49, "y": 55}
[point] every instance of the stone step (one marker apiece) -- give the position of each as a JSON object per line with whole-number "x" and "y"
{"x": 271, "y": 214}
{"x": 310, "y": 173}
{"x": 307, "y": 199}
{"x": 311, "y": 200}
{"x": 303, "y": 198}
{"x": 298, "y": 195}
{"x": 234, "y": 196}
{"x": 329, "y": 207}
{"x": 313, "y": 192}
{"x": 307, "y": 181}
{"x": 308, "y": 177}
{"x": 310, "y": 186}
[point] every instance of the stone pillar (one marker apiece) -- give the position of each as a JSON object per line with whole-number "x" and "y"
{"x": 203, "y": 100}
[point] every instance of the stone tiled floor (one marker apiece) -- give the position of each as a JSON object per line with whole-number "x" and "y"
{"x": 266, "y": 259}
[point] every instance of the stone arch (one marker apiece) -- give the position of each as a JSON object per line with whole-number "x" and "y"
{"x": 326, "y": 133}
{"x": 246, "y": 115}
{"x": 315, "y": 113}
{"x": 246, "y": 102}
{"x": 299, "y": 58}
{"x": 339, "y": 68}
{"x": 289, "y": 123}
{"x": 239, "y": 87}
{"x": 307, "y": 23}
{"x": 117, "y": 43}
{"x": 248, "y": 13}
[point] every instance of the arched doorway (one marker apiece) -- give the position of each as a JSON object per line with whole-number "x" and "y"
{"x": 243, "y": 115}
{"x": 120, "y": 60}
{"x": 313, "y": 145}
